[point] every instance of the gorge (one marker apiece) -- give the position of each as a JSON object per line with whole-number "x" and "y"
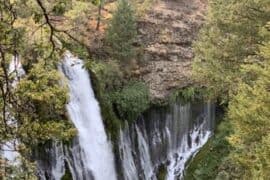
{"x": 162, "y": 137}
{"x": 134, "y": 89}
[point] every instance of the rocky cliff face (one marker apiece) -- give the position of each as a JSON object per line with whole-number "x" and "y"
{"x": 166, "y": 33}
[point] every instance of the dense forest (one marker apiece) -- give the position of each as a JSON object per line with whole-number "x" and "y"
{"x": 140, "y": 55}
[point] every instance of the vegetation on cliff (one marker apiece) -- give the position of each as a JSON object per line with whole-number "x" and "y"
{"x": 33, "y": 110}
{"x": 232, "y": 60}
{"x": 121, "y": 33}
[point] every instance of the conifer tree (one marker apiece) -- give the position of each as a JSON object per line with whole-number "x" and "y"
{"x": 122, "y": 32}
{"x": 232, "y": 60}
{"x": 249, "y": 112}
{"x": 231, "y": 35}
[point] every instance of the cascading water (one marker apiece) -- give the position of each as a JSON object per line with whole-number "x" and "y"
{"x": 166, "y": 137}
{"x": 8, "y": 152}
{"x": 145, "y": 158}
{"x": 128, "y": 164}
{"x": 84, "y": 112}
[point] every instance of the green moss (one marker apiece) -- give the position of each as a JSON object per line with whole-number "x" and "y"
{"x": 162, "y": 172}
{"x": 67, "y": 175}
{"x": 205, "y": 165}
{"x": 189, "y": 94}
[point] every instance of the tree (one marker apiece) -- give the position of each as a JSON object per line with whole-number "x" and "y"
{"x": 233, "y": 62}
{"x": 98, "y": 3}
{"x": 33, "y": 112}
{"x": 230, "y": 35}
{"x": 122, "y": 32}
{"x": 249, "y": 112}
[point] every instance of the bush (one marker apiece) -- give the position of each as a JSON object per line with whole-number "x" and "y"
{"x": 131, "y": 101}
{"x": 188, "y": 94}
{"x": 108, "y": 73}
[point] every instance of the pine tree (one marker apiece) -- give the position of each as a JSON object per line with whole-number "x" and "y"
{"x": 122, "y": 32}
{"x": 231, "y": 35}
{"x": 249, "y": 112}
{"x": 233, "y": 61}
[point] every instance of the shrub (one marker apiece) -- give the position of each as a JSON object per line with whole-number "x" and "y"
{"x": 108, "y": 73}
{"x": 131, "y": 101}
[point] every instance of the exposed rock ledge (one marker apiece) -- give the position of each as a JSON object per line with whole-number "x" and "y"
{"x": 167, "y": 32}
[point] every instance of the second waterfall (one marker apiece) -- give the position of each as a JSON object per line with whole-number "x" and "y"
{"x": 84, "y": 112}
{"x": 157, "y": 145}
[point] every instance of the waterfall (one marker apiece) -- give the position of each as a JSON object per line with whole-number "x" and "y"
{"x": 167, "y": 136}
{"x": 15, "y": 72}
{"x": 84, "y": 112}
{"x": 145, "y": 158}
{"x": 128, "y": 165}
{"x": 58, "y": 169}
{"x": 163, "y": 137}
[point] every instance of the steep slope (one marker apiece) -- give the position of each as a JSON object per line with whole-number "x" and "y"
{"x": 167, "y": 32}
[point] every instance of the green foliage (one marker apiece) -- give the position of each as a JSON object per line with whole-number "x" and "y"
{"x": 22, "y": 170}
{"x": 34, "y": 112}
{"x": 231, "y": 35}
{"x": 206, "y": 164}
{"x": 61, "y": 7}
{"x": 79, "y": 10}
{"x": 162, "y": 172}
{"x": 77, "y": 49}
{"x": 41, "y": 103}
{"x": 191, "y": 93}
{"x": 249, "y": 112}
{"x": 232, "y": 60}
{"x": 97, "y": 2}
{"x": 144, "y": 6}
{"x": 112, "y": 123}
{"x": 131, "y": 101}
{"x": 122, "y": 32}
{"x": 108, "y": 73}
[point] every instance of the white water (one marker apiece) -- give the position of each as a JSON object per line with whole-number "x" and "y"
{"x": 84, "y": 112}
{"x": 130, "y": 171}
{"x": 15, "y": 70}
{"x": 58, "y": 169}
{"x": 170, "y": 138}
{"x": 145, "y": 158}
{"x": 198, "y": 136}
{"x": 179, "y": 159}
{"x": 8, "y": 149}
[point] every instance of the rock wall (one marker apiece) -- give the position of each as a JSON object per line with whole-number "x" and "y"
{"x": 167, "y": 32}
